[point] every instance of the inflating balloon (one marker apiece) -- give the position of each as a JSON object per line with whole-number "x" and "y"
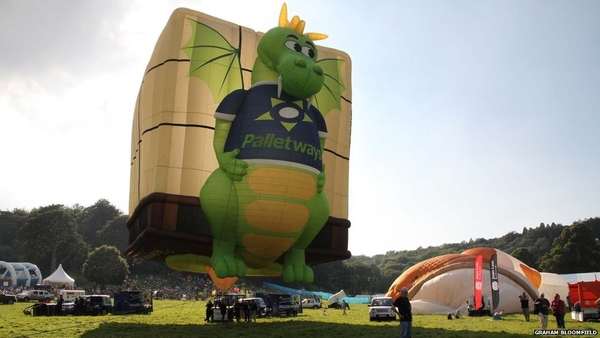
{"x": 254, "y": 124}
{"x": 442, "y": 284}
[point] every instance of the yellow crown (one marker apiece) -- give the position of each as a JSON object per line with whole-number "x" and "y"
{"x": 297, "y": 25}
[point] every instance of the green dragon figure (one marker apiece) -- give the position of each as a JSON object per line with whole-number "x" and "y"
{"x": 266, "y": 199}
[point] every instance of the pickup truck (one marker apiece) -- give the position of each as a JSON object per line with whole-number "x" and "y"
{"x": 39, "y": 295}
{"x": 311, "y": 303}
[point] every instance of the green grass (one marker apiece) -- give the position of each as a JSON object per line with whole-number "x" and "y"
{"x": 186, "y": 319}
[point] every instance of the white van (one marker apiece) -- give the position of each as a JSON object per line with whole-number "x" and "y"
{"x": 71, "y": 295}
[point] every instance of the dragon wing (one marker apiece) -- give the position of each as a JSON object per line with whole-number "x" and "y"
{"x": 214, "y": 60}
{"x": 330, "y": 96}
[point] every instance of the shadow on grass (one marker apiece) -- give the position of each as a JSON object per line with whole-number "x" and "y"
{"x": 279, "y": 329}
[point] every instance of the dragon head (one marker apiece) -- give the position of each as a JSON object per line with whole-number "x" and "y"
{"x": 288, "y": 54}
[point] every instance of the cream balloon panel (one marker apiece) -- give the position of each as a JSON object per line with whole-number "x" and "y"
{"x": 455, "y": 287}
{"x": 172, "y": 130}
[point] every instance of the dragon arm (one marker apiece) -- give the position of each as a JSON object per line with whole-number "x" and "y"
{"x": 321, "y": 177}
{"x": 233, "y": 167}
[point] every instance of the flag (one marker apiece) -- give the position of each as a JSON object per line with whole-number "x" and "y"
{"x": 478, "y": 281}
{"x": 494, "y": 281}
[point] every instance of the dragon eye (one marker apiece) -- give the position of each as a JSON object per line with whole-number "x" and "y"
{"x": 308, "y": 52}
{"x": 293, "y": 46}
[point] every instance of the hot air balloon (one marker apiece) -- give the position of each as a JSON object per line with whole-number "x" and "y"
{"x": 222, "y": 190}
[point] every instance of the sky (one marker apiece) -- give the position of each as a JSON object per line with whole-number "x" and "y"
{"x": 470, "y": 119}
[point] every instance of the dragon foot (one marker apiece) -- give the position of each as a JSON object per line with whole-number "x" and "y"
{"x": 298, "y": 272}
{"x": 228, "y": 266}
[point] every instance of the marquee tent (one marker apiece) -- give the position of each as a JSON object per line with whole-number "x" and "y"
{"x": 59, "y": 278}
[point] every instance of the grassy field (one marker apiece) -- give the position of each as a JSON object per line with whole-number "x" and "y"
{"x": 186, "y": 319}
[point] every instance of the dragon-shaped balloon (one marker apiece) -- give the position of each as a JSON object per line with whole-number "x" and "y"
{"x": 265, "y": 200}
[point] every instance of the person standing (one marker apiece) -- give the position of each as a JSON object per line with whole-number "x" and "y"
{"x": 403, "y": 308}
{"x": 558, "y": 310}
{"x": 223, "y": 309}
{"x": 541, "y": 307}
{"x": 253, "y": 310}
{"x": 524, "y": 305}
{"x": 59, "y": 304}
{"x": 209, "y": 311}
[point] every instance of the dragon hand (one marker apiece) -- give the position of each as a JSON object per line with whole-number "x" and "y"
{"x": 233, "y": 167}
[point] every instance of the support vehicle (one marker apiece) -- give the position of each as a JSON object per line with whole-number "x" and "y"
{"x": 311, "y": 303}
{"x": 71, "y": 295}
{"x": 7, "y": 298}
{"x": 335, "y": 301}
{"x": 128, "y": 302}
{"x": 582, "y": 298}
{"x": 279, "y": 304}
{"x": 39, "y": 295}
{"x": 380, "y": 308}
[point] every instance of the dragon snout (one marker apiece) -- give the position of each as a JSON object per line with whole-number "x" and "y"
{"x": 315, "y": 67}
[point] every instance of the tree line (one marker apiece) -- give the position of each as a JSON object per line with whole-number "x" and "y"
{"x": 89, "y": 242}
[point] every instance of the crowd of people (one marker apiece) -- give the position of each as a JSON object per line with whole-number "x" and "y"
{"x": 242, "y": 310}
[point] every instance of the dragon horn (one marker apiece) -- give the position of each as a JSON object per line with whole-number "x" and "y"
{"x": 283, "y": 21}
{"x": 317, "y": 36}
{"x": 300, "y": 27}
{"x": 294, "y": 23}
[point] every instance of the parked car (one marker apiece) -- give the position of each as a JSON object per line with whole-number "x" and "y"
{"x": 7, "y": 298}
{"x": 97, "y": 305}
{"x": 39, "y": 295}
{"x": 311, "y": 303}
{"x": 380, "y": 308}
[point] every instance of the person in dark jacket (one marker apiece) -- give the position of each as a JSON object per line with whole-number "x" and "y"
{"x": 59, "y": 304}
{"x": 558, "y": 310}
{"x": 209, "y": 311}
{"x": 524, "y": 305}
{"x": 541, "y": 306}
{"x": 403, "y": 309}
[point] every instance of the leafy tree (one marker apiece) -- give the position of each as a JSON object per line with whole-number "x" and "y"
{"x": 593, "y": 223}
{"x": 540, "y": 246}
{"x": 104, "y": 265}
{"x": 575, "y": 250}
{"x": 114, "y": 233}
{"x": 362, "y": 278}
{"x": 10, "y": 222}
{"x": 48, "y": 237}
{"x": 332, "y": 275}
{"x": 95, "y": 218}
{"x": 525, "y": 256}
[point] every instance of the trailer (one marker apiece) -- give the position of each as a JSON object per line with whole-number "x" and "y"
{"x": 71, "y": 295}
{"x": 280, "y": 303}
{"x": 335, "y": 301}
{"x": 582, "y": 300}
{"x": 129, "y": 302}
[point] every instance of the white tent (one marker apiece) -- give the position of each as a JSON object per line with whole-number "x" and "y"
{"x": 59, "y": 278}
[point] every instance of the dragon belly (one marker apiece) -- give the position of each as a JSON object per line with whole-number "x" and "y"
{"x": 276, "y": 213}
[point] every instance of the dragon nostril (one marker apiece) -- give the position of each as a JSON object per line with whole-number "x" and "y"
{"x": 317, "y": 69}
{"x": 300, "y": 63}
